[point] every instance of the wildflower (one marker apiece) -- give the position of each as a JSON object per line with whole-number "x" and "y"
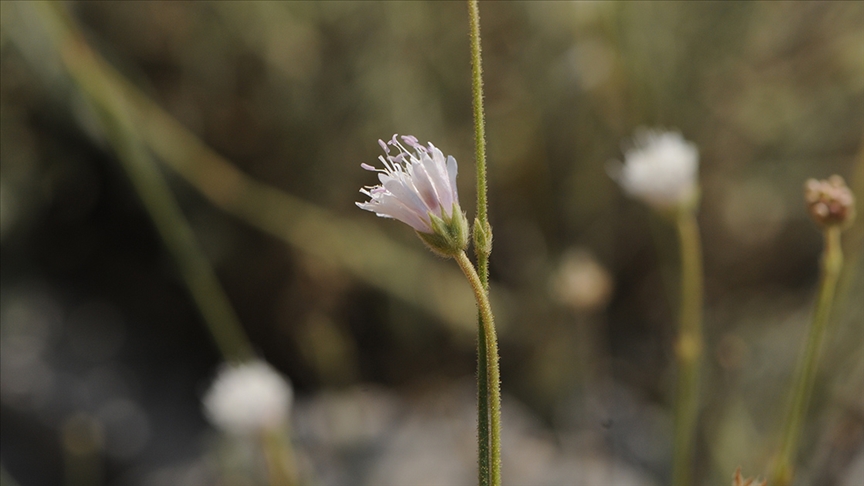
{"x": 248, "y": 398}
{"x": 581, "y": 282}
{"x": 830, "y": 201}
{"x": 660, "y": 169}
{"x": 419, "y": 189}
{"x": 737, "y": 480}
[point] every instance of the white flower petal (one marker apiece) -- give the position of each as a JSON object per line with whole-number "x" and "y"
{"x": 452, "y": 170}
{"x": 390, "y": 206}
{"x": 661, "y": 169}
{"x": 436, "y": 167}
{"x": 413, "y": 185}
{"x": 427, "y": 191}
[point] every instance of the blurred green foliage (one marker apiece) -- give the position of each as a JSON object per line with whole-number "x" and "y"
{"x": 295, "y": 96}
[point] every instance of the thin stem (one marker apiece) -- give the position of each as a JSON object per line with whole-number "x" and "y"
{"x": 832, "y": 263}
{"x": 6, "y": 478}
{"x": 112, "y": 108}
{"x": 482, "y": 405}
{"x": 688, "y": 348}
{"x": 279, "y": 455}
{"x": 491, "y": 344}
{"x": 482, "y": 224}
{"x": 479, "y": 117}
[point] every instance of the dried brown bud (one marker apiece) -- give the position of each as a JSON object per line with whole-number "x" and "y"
{"x": 737, "y": 480}
{"x": 830, "y": 201}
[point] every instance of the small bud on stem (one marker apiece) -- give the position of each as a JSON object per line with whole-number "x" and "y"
{"x": 830, "y": 201}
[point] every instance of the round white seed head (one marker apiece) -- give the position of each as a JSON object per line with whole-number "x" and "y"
{"x": 661, "y": 169}
{"x": 248, "y": 398}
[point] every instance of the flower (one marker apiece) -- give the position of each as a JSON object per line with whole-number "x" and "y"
{"x": 737, "y": 480}
{"x": 248, "y": 398}
{"x": 419, "y": 189}
{"x": 661, "y": 169}
{"x": 830, "y": 201}
{"x": 581, "y": 282}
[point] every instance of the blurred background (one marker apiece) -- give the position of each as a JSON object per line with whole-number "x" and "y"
{"x": 258, "y": 116}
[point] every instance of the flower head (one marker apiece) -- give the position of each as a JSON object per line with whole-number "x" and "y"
{"x": 738, "y": 480}
{"x": 248, "y": 398}
{"x": 661, "y": 169}
{"x": 419, "y": 189}
{"x": 830, "y": 201}
{"x": 581, "y": 282}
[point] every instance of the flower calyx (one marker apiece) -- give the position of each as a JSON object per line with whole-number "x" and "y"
{"x": 449, "y": 235}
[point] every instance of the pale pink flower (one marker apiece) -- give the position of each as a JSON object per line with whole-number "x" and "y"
{"x": 414, "y": 185}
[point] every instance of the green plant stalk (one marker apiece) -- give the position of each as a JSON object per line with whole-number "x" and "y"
{"x": 688, "y": 348}
{"x": 479, "y": 116}
{"x": 491, "y": 344}
{"x": 279, "y": 456}
{"x": 488, "y": 461}
{"x": 832, "y": 264}
{"x": 111, "y": 107}
{"x": 6, "y": 478}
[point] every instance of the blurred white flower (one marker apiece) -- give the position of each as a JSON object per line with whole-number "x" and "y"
{"x": 248, "y": 398}
{"x": 581, "y": 282}
{"x": 414, "y": 186}
{"x": 660, "y": 169}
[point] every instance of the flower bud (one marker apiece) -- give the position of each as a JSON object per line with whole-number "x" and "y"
{"x": 830, "y": 202}
{"x": 482, "y": 237}
{"x": 738, "y": 480}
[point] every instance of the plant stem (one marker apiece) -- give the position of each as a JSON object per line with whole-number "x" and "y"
{"x": 279, "y": 455}
{"x": 688, "y": 348}
{"x": 491, "y": 344}
{"x": 479, "y": 117}
{"x": 485, "y": 457}
{"x": 832, "y": 263}
{"x": 6, "y": 478}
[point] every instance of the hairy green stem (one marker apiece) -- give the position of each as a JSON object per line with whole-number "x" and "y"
{"x": 479, "y": 117}
{"x": 493, "y": 376}
{"x": 688, "y": 348}
{"x": 488, "y": 462}
{"x": 114, "y": 113}
{"x": 832, "y": 263}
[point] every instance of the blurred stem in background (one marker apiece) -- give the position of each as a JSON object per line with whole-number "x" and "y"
{"x": 689, "y": 347}
{"x": 113, "y": 111}
{"x": 488, "y": 380}
{"x": 363, "y": 251}
{"x": 83, "y": 441}
{"x": 661, "y": 169}
{"x": 853, "y": 238}
{"x": 832, "y": 263}
{"x": 832, "y": 206}
{"x": 6, "y": 478}
{"x": 281, "y": 464}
